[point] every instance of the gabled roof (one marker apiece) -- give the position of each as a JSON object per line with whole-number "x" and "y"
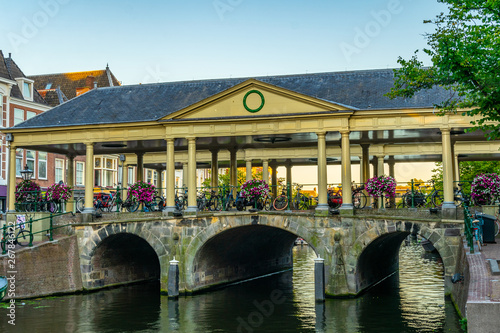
{"x": 9, "y": 70}
{"x": 151, "y": 102}
{"x": 74, "y": 83}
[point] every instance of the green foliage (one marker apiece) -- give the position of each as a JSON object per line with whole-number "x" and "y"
{"x": 224, "y": 179}
{"x": 465, "y": 54}
{"x": 463, "y": 324}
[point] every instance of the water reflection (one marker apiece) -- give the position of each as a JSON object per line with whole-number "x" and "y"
{"x": 411, "y": 301}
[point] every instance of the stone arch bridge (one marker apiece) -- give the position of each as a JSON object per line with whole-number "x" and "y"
{"x": 213, "y": 250}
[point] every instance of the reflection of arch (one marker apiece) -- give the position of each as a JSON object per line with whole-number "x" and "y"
{"x": 221, "y": 254}
{"x": 380, "y": 253}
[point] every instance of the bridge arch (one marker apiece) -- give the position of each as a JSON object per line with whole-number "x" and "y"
{"x": 122, "y": 253}
{"x": 235, "y": 249}
{"x": 379, "y": 255}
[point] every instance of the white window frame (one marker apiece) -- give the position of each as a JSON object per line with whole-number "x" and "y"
{"x": 30, "y": 161}
{"x": 19, "y": 161}
{"x": 82, "y": 171}
{"x": 18, "y": 116}
{"x": 30, "y": 114}
{"x": 42, "y": 161}
{"x": 56, "y": 168}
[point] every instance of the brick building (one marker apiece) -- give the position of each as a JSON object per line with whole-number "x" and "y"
{"x": 19, "y": 101}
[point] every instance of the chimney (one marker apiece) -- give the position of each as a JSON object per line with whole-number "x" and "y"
{"x": 10, "y": 55}
{"x": 89, "y": 81}
{"x": 95, "y": 84}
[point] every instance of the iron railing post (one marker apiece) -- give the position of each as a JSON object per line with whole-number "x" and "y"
{"x": 31, "y": 232}
{"x": 50, "y": 228}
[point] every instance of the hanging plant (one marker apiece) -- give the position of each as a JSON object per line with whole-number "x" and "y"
{"x": 254, "y": 189}
{"x": 27, "y": 190}
{"x": 142, "y": 191}
{"x": 58, "y": 192}
{"x": 485, "y": 188}
{"x": 378, "y": 186}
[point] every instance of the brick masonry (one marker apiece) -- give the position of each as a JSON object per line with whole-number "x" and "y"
{"x": 45, "y": 269}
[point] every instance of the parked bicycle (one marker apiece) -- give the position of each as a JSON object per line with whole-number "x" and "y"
{"x": 9, "y": 236}
{"x": 359, "y": 199}
{"x": 281, "y": 201}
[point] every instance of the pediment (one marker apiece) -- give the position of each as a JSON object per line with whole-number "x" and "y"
{"x": 254, "y": 98}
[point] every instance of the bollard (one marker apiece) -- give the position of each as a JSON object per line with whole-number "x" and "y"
{"x": 173, "y": 279}
{"x": 319, "y": 279}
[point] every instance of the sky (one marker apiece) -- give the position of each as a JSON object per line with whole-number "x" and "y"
{"x": 172, "y": 40}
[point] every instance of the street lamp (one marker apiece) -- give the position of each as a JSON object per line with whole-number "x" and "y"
{"x": 26, "y": 173}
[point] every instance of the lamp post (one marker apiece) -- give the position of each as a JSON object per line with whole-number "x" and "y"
{"x": 26, "y": 173}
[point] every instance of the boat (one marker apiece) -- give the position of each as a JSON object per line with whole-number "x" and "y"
{"x": 300, "y": 241}
{"x": 3, "y": 287}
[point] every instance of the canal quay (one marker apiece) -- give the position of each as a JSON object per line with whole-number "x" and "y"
{"x": 240, "y": 271}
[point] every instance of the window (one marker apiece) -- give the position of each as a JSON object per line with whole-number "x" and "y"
{"x": 79, "y": 173}
{"x": 27, "y": 90}
{"x": 149, "y": 177}
{"x": 30, "y": 114}
{"x": 59, "y": 170}
{"x": 42, "y": 165}
{"x": 18, "y": 116}
{"x": 130, "y": 176}
{"x": 30, "y": 160}
{"x": 19, "y": 162}
{"x": 97, "y": 177}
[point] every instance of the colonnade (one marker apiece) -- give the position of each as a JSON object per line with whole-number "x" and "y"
{"x": 450, "y": 171}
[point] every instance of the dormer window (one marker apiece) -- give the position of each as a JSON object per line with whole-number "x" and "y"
{"x": 27, "y": 90}
{"x": 26, "y": 87}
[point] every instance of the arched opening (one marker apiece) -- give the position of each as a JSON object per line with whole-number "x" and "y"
{"x": 379, "y": 259}
{"x": 242, "y": 253}
{"x": 123, "y": 258}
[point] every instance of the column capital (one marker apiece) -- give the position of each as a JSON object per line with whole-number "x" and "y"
{"x": 89, "y": 143}
{"x": 321, "y": 134}
{"x": 170, "y": 139}
{"x": 445, "y": 130}
{"x": 345, "y": 132}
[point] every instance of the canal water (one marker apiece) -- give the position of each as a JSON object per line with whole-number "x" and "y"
{"x": 410, "y": 301}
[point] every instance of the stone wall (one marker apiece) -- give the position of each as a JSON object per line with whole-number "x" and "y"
{"x": 45, "y": 269}
{"x": 460, "y": 290}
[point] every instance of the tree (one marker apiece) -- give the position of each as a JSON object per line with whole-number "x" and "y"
{"x": 465, "y": 55}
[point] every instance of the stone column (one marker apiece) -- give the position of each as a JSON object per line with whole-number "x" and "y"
{"x": 185, "y": 175}
{"x": 265, "y": 171}
{"x": 322, "y": 208}
{"x": 12, "y": 179}
{"x": 192, "y": 207}
{"x": 288, "y": 172}
{"x": 70, "y": 181}
{"x": 365, "y": 168}
{"x": 170, "y": 184}
{"x": 380, "y": 172}
{"x": 346, "y": 173}
{"x": 233, "y": 171}
{"x": 214, "y": 183}
{"x": 448, "y": 208}
{"x": 140, "y": 166}
{"x": 391, "y": 162}
{"x": 248, "y": 169}
{"x": 89, "y": 182}
{"x": 173, "y": 279}
{"x": 456, "y": 169}
{"x": 274, "y": 176}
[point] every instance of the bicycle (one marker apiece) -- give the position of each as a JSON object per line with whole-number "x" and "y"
{"x": 478, "y": 232}
{"x": 9, "y": 236}
{"x": 180, "y": 200}
{"x": 413, "y": 199}
{"x": 281, "y": 201}
{"x": 300, "y": 201}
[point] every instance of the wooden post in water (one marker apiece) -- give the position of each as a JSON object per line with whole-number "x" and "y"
{"x": 319, "y": 279}
{"x": 173, "y": 279}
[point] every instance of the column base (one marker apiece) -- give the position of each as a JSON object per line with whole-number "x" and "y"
{"x": 191, "y": 210}
{"x": 346, "y": 209}
{"x": 171, "y": 211}
{"x": 322, "y": 210}
{"x": 449, "y": 210}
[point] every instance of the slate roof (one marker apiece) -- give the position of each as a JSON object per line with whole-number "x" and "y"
{"x": 9, "y": 70}
{"x": 69, "y": 83}
{"x": 150, "y": 102}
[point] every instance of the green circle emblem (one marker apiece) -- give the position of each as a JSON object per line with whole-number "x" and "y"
{"x": 262, "y": 101}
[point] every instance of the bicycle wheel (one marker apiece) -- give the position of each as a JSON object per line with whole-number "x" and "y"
{"x": 80, "y": 205}
{"x": 497, "y": 227}
{"x": 358, "y": 200}
{"x": 52, "y": 207}
{"x": 437, "y": 198}
{"x": 303, "y": 202}
{"x": 24, "y": 238}
{"x": 111, "y": 205}
{"x": 160, "y": 203}
{"x": 335, "y": 201}
{"x": 268, "y": 203}
{"x": 132, "y": 204}
{"x": 281, "y": 202}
